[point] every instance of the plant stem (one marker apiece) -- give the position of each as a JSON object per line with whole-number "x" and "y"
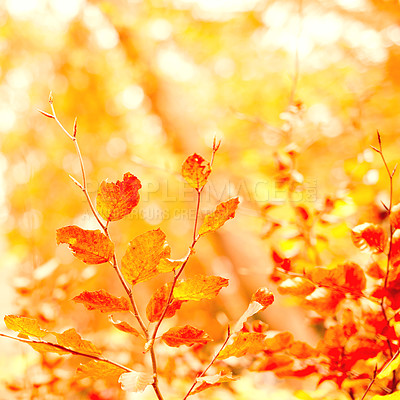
{"x": 115, "y": 265}
{"x": 210, "y": 364}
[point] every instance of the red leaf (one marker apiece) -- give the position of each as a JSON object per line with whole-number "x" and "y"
{"x": 102, "y": 301}
{"x": 369, "y": 238}
{"x": 263, "y": 296}
{"x": 185, "y": 335}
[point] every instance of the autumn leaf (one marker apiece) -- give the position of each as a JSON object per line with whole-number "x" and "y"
{"x": 199, "y": 287}
{"x": 297, "y": 286}
{"x": 264, "y": 297}
{"x": 91, "y": 247}
{"x": 206, "y": 382}
{"x": 244, "y": 343}
{"x": 124, "y": 327}
{"x": 302, "y": 350}
{"x": 369, "y": 238}
{"x": 99, "y": 370}
{"x": 135, "y": 381}
{"x": 72, "y": 340}
{"x": 158, "y": 302}
{"x": 185, "y": 335}
{"x": 280, "y": 341}
{"x": 143, "y": 256}
{"x": 24, "y": 325}
{"x": 261, "y": 299}
{"x": 102, "y": 301}
{"x": 324, "y": 301}
{"x": 222, "y": 213}
{"x": 196, "y": 170}
{"x": 116, "y": 200}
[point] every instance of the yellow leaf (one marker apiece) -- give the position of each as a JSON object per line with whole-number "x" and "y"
{"x": 24, "y": 325}
{"x": 72, "y": 340}
{"x": 389, "y": 368}
{"x": 99, "y": 370}
{"x": 143, "y": 256}
{"x": 199, "y": 287}
{"x": 244, "y": 343}
{"x": 222, "y": 213}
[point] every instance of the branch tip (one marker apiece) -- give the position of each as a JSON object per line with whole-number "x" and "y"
{"x": 51, "y": 99}
{"x": 75, "y": 126}
{"x": 45, "y": 113}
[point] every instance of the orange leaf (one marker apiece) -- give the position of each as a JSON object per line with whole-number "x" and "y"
{"x": 185, "y": 335}
{"x": 302, "y": 350}
{"x": 222, "y": 213}
{"x": 297, "y": 286}
{"x": 116, "y": 200}
{"x": 263, "y": 296}
{"x": 395, "y": 216}
{"x": 124, "y": 326}
{"x": 72, "y": 340}
{"x": 196, "y": 171}
{"x": 206, "y": 382}
{"x": 244, "y": 343}
{"x": 369, "y": 238}
{"x": 143, "y": 256}
{"x": 158, "y": 302}
{"x": 324, "y": 301}
{"x": 103, "y": 301}
{"x": 279, "y": 342}
{"x": 24, "y": 325}
{"x": 45, "y": 347}
{"x": 199, "y": 287}
{"x": 99, "y": 370}
{"x": 92, "y": 247}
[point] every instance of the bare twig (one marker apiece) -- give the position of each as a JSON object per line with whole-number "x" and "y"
{"x": 210, "y": 364}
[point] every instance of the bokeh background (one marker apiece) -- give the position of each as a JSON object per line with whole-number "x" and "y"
{"x": 295, "y": 90}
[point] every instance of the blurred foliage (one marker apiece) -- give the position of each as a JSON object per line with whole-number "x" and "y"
{"x": 296, "y": 91}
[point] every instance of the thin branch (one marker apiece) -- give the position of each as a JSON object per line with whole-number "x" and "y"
{"x": 75, "y": 352}
{"x": 210, "y": 364}
{"x": 125, "y": 285}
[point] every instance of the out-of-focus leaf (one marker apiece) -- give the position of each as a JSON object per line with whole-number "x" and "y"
{"x": 158, "y": 302}
{"x": 135, "y": 381}
{"x": 116, "y": 200}
{"x": 102, "y": 301}
{"x": 91, "y": 247}
{"x": 199, "y": 287}
{"x": 196, "y": 171}
{"x": 297, "y": 286}
{"x": 185, "y": 335}
{"x": 99, "y": 370}
{"x": 24, "y": 325}
{"x": 392, "y": 396}
{"x": 273, "y": 362}
{"x": 206, "y": 382}
{"x": 280, "y": 341}
{"x": 72, "y": 340}
{"x": 369, "y": 238}
{"x": 222, "y": 213}
{"x": 143, "y": 256}
{"x": 244, "y": 343}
